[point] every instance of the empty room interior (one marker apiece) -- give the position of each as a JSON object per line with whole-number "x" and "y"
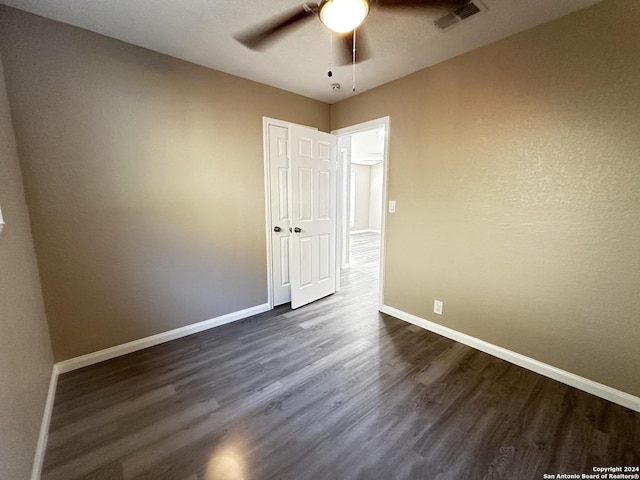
{"x": 241, "y": 250}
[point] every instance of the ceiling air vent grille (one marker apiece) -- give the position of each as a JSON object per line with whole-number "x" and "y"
{"x": 457, "y": 16}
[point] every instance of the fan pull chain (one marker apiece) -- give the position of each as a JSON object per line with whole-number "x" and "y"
{"x": 330, "y": 72}
{"x": 353, "y": 87}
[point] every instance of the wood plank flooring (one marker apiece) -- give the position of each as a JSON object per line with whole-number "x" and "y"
{"x": 364, "y": 254}
{"x": 334, "y": 390}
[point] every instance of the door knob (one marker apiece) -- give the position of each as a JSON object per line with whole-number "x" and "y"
{"x": 297, "y": 229}
{"x": 277, "y": 229}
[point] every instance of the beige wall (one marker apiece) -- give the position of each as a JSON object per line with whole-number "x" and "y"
{"x": 516, "y": 173}
{"x": 144, "y": 177}
{"x": 368, "y": 196}
{"x": 25, "y": 350}
{"x": 375, "y": 196}
{"x": 361, "y": 196}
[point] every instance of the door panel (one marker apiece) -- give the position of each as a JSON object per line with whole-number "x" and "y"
{"x": 305, "y": 194}
{"x": 324, "y": 256}
{"x": 283, "y": 194}
{"x": 324, "y": 194}
{"x": 305, "y": 261}
{"x": 280, "y": 216}
{"x": 284, "y": 264}
{"x": 313, "y": 211}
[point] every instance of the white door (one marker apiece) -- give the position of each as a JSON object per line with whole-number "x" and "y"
{"x": 312, "y": 261}
{"x": 279, "y": 193}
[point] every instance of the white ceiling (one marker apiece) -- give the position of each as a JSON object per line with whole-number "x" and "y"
{"x": 201, "y": 31}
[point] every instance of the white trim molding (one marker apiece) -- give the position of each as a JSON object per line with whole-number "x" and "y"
{"x": 134, "y": 346}
{"x": 603, "y": 391}
{"x": 43, "y": 437}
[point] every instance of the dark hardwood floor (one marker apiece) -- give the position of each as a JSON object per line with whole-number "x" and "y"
{"x": 334, "y": 390}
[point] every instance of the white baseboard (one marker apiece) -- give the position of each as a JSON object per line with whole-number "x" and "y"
{"x": 125, "y": 348}
{"x": 603, "y": 391}
{"x": 38, "y": 460}
{"x": 365, "y": 230}
{"x": 108, "y": 353}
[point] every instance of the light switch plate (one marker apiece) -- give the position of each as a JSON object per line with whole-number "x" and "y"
{"x": 392, "y": 206}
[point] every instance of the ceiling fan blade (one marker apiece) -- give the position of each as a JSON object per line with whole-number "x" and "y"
{"x": 420, "y": 3}
{"x": 261, "y": 35}
{"x": 345, "y": 48}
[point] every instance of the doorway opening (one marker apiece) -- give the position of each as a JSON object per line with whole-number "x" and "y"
{"x": 343, "y": 190}
{"x": 363, "y": 157}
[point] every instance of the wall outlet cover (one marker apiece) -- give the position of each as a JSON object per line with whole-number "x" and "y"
{"x": 437, "y": 307}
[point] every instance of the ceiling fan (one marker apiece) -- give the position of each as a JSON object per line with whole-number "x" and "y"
{"x": 340, "y": 16}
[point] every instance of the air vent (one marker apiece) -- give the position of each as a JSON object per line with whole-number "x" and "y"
{"x": 457, "y": 16}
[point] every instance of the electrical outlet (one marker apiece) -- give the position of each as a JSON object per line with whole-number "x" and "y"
{"x": 437, "y": 307}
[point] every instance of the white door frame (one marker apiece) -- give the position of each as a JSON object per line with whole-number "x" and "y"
{"x": 342, "y": 192}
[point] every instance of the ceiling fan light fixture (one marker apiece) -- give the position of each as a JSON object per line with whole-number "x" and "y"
{"x": 342, "y": 16}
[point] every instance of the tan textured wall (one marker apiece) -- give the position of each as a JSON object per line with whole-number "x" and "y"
{"x": 26, "y": 359}
{"x": 144, "y": 176}
{"x": 516, "y": 172}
